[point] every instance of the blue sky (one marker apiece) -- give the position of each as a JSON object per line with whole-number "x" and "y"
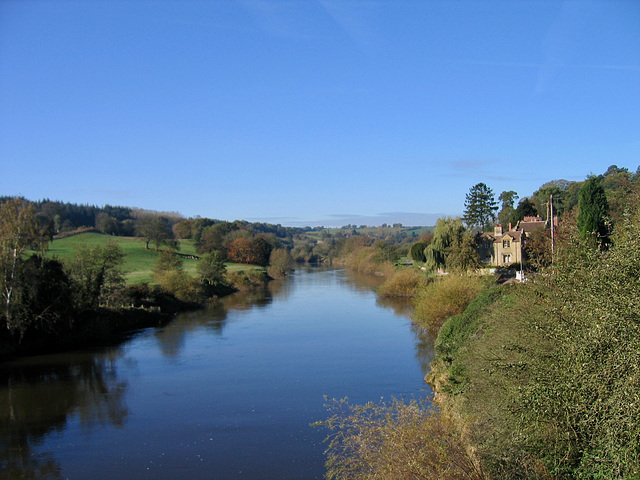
{"x": 313, "y": 111}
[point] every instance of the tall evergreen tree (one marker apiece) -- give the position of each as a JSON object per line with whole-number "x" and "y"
{"x": 480, "y": 206}
{"x": 525, "y": 208}
{"x": 593, "y": 207}
{"x": 507, "y": 213}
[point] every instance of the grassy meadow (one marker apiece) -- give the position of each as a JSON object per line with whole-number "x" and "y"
{"x": 139, "y": 262}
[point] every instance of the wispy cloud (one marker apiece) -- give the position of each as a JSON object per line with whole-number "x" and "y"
{"x": 631, "y": 68}
{"x": 357, "y": 21}
{"x": 471, "y": 165}
{"x": 296, "y": 20}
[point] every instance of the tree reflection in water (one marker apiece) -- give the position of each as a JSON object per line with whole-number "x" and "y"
{"x": 39, "y": 395}
{"x": 171, "y": 338}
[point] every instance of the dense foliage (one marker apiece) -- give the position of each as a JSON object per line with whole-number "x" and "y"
{"x": 541, "y": 379}
{"x": 592, "y": 216}
{"x": 545, "y": 376}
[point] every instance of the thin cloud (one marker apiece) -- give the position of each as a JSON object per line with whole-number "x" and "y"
{"x": 356, "y": 21}
{"x": 285, "y": 19}
{"x": 630, "y": 68}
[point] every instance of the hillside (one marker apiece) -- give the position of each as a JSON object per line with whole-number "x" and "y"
{"x": 139, "y": 262}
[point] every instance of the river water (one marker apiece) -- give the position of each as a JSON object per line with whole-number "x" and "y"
{"x": 224, "y": 393}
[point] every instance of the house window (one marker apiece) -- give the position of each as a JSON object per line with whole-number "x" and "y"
{"x": 506, "y": 244}
{"x": 506, "y": 258}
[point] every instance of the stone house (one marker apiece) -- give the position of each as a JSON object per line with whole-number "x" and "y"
{"x": 502, "y": 248}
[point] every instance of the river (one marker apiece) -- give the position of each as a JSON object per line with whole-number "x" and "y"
{"x": 223, "y": 393}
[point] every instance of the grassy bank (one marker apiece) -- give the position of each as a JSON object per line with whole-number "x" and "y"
{"x": 139, "y": 263}
{"x": 543, "y": 378}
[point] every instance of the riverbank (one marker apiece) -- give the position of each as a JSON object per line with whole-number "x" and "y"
{"x": 102, "y": 327}
{"x": 541, "y": 378}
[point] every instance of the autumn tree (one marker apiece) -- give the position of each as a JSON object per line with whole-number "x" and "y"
{"x": 184, "y": 229}
{"x": 480, "y": 207}
{"x": 537, "y": 248}
{"x": 239, "y": 250}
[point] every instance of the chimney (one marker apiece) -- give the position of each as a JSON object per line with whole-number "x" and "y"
{"x": 510, "y": 226}
{"x": 497, "y": 230}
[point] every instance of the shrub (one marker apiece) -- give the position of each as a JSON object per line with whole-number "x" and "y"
{"x": 404, "y": 283}
{"x": 182, "y": 285}
{"x": 243, "y": 279}
{"x": 444, "y": 298}
{"x": 365, "y": 260}
{"x": 394, "y": 441}
{"x": 588, "y": 388}
{"x": 280, "y": 262}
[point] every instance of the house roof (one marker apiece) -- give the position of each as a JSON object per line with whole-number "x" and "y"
{"x": 515, "y": 235}
{"x": 530, "y": 226}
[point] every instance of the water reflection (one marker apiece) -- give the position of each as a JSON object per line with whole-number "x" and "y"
{"x": 424, "y": 347}
{"x": 401, "y": 307}
{"x": 231, "y": 404}
{"x": 362, "y": 282}
{"x": 39, "y": 395}
{"x": 171, "y": 338}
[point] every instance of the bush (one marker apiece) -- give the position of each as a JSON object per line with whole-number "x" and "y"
{"x": 545, "y": 375}
{"x": 444, "y": 298}
{"x": 588, "y": 388}
{"x": 404, "y": 283}
{"x": 280, "y": 262}
{"x": 394, "y": 441}
{"x": 241, "y": 280}
{"x": 182, "y": 285}
{"x": 365, "y": 260}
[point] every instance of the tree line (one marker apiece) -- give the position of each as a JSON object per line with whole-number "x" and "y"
{"x": 595, "y": 204}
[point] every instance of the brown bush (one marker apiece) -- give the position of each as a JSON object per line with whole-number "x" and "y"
{"x": 394, "y": 441}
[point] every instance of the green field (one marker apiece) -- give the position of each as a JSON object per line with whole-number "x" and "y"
{"x": 138, "y": 262}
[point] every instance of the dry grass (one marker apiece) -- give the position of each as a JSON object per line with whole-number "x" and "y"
{"x": 394, "y": 441}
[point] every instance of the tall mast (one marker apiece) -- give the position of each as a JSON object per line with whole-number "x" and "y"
{"x": 553, "y": 227}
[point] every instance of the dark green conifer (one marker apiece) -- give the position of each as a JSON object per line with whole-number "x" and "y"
{"x": 592, "y": 215}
